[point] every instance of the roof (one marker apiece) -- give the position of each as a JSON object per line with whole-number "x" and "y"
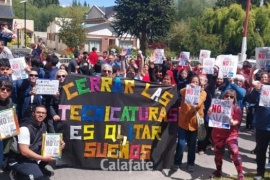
{"x": 107, "y": 10}
{"x": 6, "y": 11}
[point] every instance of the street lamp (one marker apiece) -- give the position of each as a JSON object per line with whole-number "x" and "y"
{"x": 24, "y": 1}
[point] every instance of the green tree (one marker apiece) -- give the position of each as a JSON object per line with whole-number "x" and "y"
{"x": 72, "y": 32}
{"x": 85, "y": 4}
{"x": 145, "y": 19}
{"x": 44, "y": 3}
{"x": 191, "y": 8}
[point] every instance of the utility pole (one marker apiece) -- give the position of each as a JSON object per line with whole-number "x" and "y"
{"x": 244, "y": 40}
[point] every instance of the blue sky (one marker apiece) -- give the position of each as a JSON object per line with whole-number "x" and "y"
{"x": 91, "y": 2}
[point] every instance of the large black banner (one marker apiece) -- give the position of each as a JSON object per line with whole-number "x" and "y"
{"x": 117, "y": 124}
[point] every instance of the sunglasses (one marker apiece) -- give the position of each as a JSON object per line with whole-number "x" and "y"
{"x": 228, "y": 96}
{"x": 33, "y": 75}
{"x": 5, "y": 89}
{"x": 107, "y": 71}
{"x": 59, "y": 76}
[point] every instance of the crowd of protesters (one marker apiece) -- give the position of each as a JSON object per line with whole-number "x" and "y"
{"x": 243, "y": 90}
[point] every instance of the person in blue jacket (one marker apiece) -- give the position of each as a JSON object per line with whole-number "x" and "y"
{"x": 236, "y": 84}
{"x": 262, "y": 125}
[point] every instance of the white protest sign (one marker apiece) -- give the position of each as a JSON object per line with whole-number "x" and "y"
{"x": 208, "y": 65}
{"x": 227, "y": 66}
{"x": 18, "y": 65}
{"x": 183, "y": 58}
{"x": 221, "y": 112}
{"x": 192, "y": 94}
{"x": 159, "y": 54}
{"x": 262, "y": 58}
{"x": 51, "y": 145}
{"x": 265, "y": 96}
{"x": 204, "y": 54}
{"x": 47, "y": 86}
{"x": 8, "y": 124}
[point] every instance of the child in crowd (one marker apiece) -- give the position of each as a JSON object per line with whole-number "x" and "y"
{"x": 222, "y": 137}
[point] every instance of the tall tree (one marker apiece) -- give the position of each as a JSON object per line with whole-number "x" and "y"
{"x": 72, "y": 32}
{"x": 144, "y": 19}
{"x": 85, "y": 4}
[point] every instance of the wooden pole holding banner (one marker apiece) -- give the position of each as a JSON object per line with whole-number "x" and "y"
{"x": 244, "y": 41}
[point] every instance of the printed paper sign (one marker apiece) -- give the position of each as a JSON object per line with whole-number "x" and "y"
{"x": 8, "y": 124}
{"x": 265, "y": 96}
{"x": 192, "y": 94}
{"x": 204, "y": 54}
{"x": 126, "y": 52}
{"x": 227, "y": 66}
{"x": 262, "y": 57}
{"x": 47, "y": 86}
{"x": 18, "y": 65}
{"x": 159, "y": 54}
{"x": 208, "y": 65}
{"x": 51, "y": 145}
{"x": 221, "y": 112}
{"x": 183, "y": 58}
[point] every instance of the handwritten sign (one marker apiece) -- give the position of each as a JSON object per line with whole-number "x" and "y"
{"x": 262, "y": 57}
{"x": 192, "y": 94}
{"x": 204, "y": 54}
{"x": 183, "y": 58}
{"x": 208, "y": 65}
{"x": 227, "y": 66}
{"x": 159, "y": 54}
{"x": 221, "y": 112}
{"x": 51, "y": 145}
{"x": 117, "y": 119}
{"x": 46, "y": 86}
{"x": 265, "y": 96}
{"x": 9, "y": 125}
{"x": 18, "y": 66}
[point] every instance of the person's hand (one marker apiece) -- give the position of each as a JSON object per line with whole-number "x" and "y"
{"x": 56, "y": 118}
{"x": 27, "y": 69}
{"x": 152, "y": 58}
{"x": 33, "y": 92}
{"x": 57, "y": 94}
{"x": 62, "y": 145}
{"x": 123, "y": 52}
{"x": 232, "y": 122}
{"x": 48, "y": 159}
{"x": 209, "y": 112}
{"x": 230, "y": 80}
{"x": 193, "y": 106}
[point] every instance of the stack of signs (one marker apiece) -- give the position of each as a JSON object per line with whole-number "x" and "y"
{"x": 51, "y": 145}
{"x": 263, "y": 58}
{"x": 18, "y": 66}
{"x": 265, "y": 96}
{"x": 227, "y": 66}
{"x": 9, "y": 125}
{"x": 221, "y": 112}
{"x": 204, "y": 54}
{"x": 192, "y": 94}
{"x": 183, "y": 58}
{"x": 159, "y": 54}
{"x": 46, "y": 86}
{"x": 208, "y": 65}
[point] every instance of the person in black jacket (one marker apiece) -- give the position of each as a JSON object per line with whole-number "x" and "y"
{"x": 25, "y": 162}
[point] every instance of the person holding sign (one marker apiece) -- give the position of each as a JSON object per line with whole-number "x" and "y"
{"x": 262, "y": 124}
{"x": 28, "y": 162}
{"x": 222, "y": 137}
{"x": 188, "y": 125}
{"x": 5, "y": 103}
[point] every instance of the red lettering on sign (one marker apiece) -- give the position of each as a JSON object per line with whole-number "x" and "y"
{"x": 190, "y": 91}
{"x": 261, "y": 56}
{"x": 266, "y": 93}
{"x": 216, "y": 108}
{"x": 226, "y": 63}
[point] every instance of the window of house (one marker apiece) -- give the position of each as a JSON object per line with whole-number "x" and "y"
{"x": 125, "y": 44}
{"x": 94, "y": 43}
